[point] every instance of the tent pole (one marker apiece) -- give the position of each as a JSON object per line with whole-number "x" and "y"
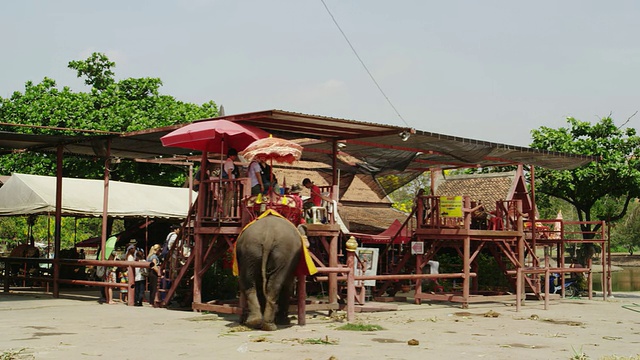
{"x": 432, "y": 185}
{"x": 146, "y": 236}
{"x": 334, "y": 162}
{"x": 190, "y": 187}
{"x": 105, "y": 203}
{"x": 199, "y": 238}
{"x": 49, "y": 236}
{"x": 56, "y": 234}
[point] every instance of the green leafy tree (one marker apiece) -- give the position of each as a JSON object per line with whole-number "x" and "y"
{"x": 404, "y": 197}
{"x": 96, "y": 69}
{"x": 490, "y": 169}
{"x": 601, "y": 190}
{"x": 625, "y": 234}
{"x": 114, "y": 106}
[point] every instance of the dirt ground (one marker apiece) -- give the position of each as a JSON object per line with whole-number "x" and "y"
{"x": 76, "y": 326}
{"x": 40, "y": 327}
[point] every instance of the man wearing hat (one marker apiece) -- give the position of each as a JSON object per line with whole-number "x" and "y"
{"x": 169, "y": 241}
{"x": 132, "y": 245}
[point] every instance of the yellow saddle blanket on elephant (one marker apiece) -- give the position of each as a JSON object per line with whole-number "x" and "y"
{"x": 305, "y": 266}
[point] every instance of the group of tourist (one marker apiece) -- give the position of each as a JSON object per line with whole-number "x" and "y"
{"x": 145, "y": 277}
{"x": 260, "y": 174}
{"x": 263, "y": 181}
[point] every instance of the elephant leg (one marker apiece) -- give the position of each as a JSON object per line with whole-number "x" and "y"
{"x": 269, "y": 313}
{"x": 254, "y": 316}
{"x": 249, "y": 277}
{"x": 277, "y": 298}
{"x": 282, "y": 316}
{"x": 242, "y": 302}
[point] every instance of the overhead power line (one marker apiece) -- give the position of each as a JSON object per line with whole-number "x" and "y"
{"x": 363, "y": 64}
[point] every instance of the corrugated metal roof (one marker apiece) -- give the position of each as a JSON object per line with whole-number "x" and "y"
{"x": 375, "y": 149}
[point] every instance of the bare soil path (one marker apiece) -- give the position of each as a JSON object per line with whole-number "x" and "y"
{"x": 39, "y": 327}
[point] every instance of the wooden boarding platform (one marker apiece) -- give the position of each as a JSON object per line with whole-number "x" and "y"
{"x": 387, "y": 299}
{"x": 375, "y": 306}
{"x": 218, "y": 307}
{"x": 233, "y": 307}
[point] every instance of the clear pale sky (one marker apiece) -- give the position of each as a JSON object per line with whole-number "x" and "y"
{"x": 488, "y": 70}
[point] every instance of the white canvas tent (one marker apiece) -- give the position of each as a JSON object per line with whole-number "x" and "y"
{"x": 33, "y": 194}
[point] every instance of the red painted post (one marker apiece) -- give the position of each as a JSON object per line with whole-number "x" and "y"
{"x": 521, "y": 257}
{"x": 418, "y": 289}
{"x": 466, "y": 282}
{"x": 546, "y": 288}
{"x": 518, "y": 288}
{"x": 57, "y": 231}
{"x": 333, "y": 278}
{"x": 302, "y": 300}
{"x": 420, "y": 210}
{"x": 197, "y": 247}
{"x": 590, "y": 279}
{"x": 131, "y": 292}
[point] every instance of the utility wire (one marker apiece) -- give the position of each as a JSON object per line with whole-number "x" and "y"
{"x": 363, "y": 64}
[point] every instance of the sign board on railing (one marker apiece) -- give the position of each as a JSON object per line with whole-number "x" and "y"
{"x": 370, "y": 256}
{"x": 451, "y": 206}
{"x": 417, "y": 248}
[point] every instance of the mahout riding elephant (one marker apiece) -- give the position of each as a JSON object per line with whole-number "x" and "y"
{"x": 268, "y": 252}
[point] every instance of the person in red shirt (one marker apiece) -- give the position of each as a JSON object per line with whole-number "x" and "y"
{"x": 316, "y": 197}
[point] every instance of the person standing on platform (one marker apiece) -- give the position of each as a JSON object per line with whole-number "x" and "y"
{"x": 255, "y": 176}
{"x": 208, "y": 173}
{"x": 229, "y": 172}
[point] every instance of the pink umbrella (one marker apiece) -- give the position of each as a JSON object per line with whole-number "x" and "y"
{"x": 213, "y": 135}
{"x": 273, "y": 149}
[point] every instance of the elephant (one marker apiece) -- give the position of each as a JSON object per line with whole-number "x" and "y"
{"x": 268, "y": 252}
{"x": 25, "y": 251}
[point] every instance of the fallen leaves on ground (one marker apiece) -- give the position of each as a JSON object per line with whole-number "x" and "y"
{"x": 240, "y": 328}
{"x": 612, "y": 337}
{"x": 564, "y": 322}
{"x": 313, "y": 341}
{"x": 492, "y": 314}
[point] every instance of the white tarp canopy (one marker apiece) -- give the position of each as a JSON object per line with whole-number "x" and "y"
{"x": 33, "y": 194}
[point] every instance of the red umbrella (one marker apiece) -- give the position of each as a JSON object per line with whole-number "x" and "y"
{"x": 273, "y": 149}
{"x": 213, "y": 135}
